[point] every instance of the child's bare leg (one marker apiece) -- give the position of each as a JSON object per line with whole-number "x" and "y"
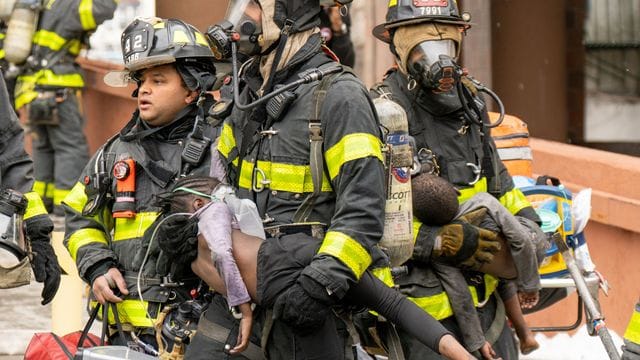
{"x": 528, "y": 341}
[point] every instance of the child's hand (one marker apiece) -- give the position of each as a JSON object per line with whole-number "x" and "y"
{"x": 528, "y": 299}
{"x": 487, "y": 351}
{"x": 245, "y": 329}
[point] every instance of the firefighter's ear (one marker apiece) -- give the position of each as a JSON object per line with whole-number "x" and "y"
{"x": 191, "y": 97}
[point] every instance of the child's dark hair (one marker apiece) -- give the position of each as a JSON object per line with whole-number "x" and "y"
{"x": 175, "y": 200}
{"x": 435, "y": 200}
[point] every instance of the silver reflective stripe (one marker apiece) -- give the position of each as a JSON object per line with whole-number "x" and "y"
{"x": 515, "y": 153}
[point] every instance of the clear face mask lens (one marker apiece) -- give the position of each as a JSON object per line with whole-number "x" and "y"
{"x": 245, "y": 15}
{"x": 427, "y": 53}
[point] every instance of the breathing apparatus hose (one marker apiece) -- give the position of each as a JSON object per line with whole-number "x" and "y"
{"x": 306, "y": 77}
{"x": 146, "y": 257}
{"x": 468, "y": 99}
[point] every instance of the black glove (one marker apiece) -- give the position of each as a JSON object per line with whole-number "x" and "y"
{"x": 178, "y": 238}
{"x": 43, "y": 261}
{"x": 304, "y": 306}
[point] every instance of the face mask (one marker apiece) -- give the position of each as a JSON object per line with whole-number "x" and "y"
{"x": 12, "y": 206}
{"x": 432, "y": 65}
{"x": 243, "y": 19}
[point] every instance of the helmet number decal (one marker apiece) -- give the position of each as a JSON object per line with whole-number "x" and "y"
{"x": 134, "y": 44}
{"x": 431, "y": 10}
{"x": 431, "y": 3}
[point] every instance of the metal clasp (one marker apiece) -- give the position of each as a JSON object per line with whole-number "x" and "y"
{"x": 264, "y": 183}
{"x": 269, "y": 133}
{"x": 476, "y": 171}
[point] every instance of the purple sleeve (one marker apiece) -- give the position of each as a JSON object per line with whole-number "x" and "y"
{"x": 215, "y": 224}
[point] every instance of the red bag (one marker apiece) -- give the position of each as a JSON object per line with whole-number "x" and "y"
{"x": 49, "y": 346}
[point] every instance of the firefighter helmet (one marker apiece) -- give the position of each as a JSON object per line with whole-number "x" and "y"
{"x": 407, "y": 12}
{"x": 149, "y": 42}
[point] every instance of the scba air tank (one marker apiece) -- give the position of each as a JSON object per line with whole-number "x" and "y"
{"x": 6, "y": 6}
{"x": 22, "y": 26}
{"x": 397, "y": 239}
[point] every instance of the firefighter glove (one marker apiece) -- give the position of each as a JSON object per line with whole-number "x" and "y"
{"x": 303, "y": 306}
{"x": 463, "y": 244}
{"x": 178, "y": 238}
{"x": 43, "y": 259}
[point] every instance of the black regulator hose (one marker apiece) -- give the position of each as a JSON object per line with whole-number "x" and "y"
{"x": 306, "y": 77}
{"x": 482, "y": 88}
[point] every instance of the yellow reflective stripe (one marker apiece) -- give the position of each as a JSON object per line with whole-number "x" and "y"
{"x": 514, "y": 200}
{"x": 467, "y": 193}
{"x": 44, "y": 189}
{"x": 84, "y": 237}
{"x": 490, "y": 285}
{"x": 55, "y": 42}
{"x": 393, "y": 3}
{"x": 384, "y": 274}
{"x": 77, "y": 198}
{"x": 416, "y": 228}
{"x": 25, "y": 97}
{"x": 59, "y": 195}
{"x": 35, "y": 206}
{"x": 25, "y": 89}
{"x": 2, "y": 36}
{"x": 133, "y": 228}
{"x": 130, "y": 311}
{"x": 632, "y": 333}
{"x": 282, "y": 177}
{"x": 439, "y": 305}
{"x": 1, "y": 53}
{"x": 180, "y": 37}
{"x": 227, "y": 142}
{"x": 246, "y": 175}
{"x": 85, "y": 11}
{"x": 200, "y": 39}
{"x": 347, "y": 250}
{"x": 352, "y": 147}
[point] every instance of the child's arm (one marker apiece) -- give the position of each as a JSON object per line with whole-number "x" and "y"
{"x": 215, "y": 225}
{"x": 244, "y": 333}
{"x": 372, "y": 293}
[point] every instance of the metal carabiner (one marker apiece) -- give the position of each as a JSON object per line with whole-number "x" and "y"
{"x": 476, "y": 171}
{"x": 263, "y": 183}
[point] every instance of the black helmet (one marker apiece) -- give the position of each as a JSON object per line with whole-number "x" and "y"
{"x": 407, "y": 12}
{"x": 154, "y": 41}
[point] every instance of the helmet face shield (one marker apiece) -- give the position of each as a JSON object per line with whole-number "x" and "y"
{"x": 428, "y": 53}
{"x": 245, "y": 16}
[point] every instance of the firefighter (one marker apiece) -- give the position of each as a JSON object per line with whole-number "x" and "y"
{"x": 631, "y": 348}
{"x": 309, "y": 155}
{"x": 336, "y": 31}
{"x": 16, "y": 173}
{"x": 448, "y": 121}
{"x": 49, "y": 86}
{"x": 4, "y": 64}
{"x": 113, "y": 203}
